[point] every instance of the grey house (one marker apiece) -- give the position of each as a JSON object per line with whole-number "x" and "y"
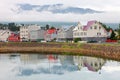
{"x": 37, "y": 35}
{"x": 65, "y": 34}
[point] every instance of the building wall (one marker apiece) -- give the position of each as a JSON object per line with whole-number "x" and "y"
{"x": 36, "y": 35}
{"x": 65, "y": 34}
{"x": 4, "y": 34}
{"x": 25, "y": 31}
{"x": 61, "y": 34}
{"x": 95, "y": 32}
{"x": 78, "y": 31}
{"x": 49, "y": 37}
{"x": 69, "y": 33}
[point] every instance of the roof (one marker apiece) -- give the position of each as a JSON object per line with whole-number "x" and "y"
{"x": 89, "y": 24}
{"x": 76, "y": 28}
{"x": 51, "y": 31}
{"x": 65, "y": 27}
{"x": 89, "y": 66}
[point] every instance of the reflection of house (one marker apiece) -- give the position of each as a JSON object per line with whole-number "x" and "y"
{"x": 68, "y": 63}
{"x": 65, "y": 34}
{"x": 93, "y": 31}
{"x": 66, "y": 60}
{"x": 32, "y": 58}
{"x": 50, "y": 34}
{"x": 78, "y": 60}
{"x": 25, "y": 31}
{"x": 93, "y": 64}
{"x": 37, "y": 35}
{"x": 14, "y": 37}
{"x": 36, "y": 58}
{"x": 4, "y": 34}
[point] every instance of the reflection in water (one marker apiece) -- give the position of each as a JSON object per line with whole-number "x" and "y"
{"x": 36, "y": 64}
{"x": 93, "y": 64}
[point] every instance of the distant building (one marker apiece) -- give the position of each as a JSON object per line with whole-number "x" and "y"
{"x": 93, "y": 31}
{"x": 65, "y": 34}
{"x": 37, "y": 35}
{"x": 4, "y": 34}
{"x": 50, "y": 34}
{"x": 14, "y": 37}
{"x": 25, "y": 31}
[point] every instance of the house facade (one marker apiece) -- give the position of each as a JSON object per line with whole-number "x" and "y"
{"x": 65, "y": 34}
{"x": 25, "y": 31}
{"x": 37, "y": 35}
{"x": 93, "y": 31}
{"x": 50, "y": 34}
{"x": 4, "y": 34}
{"x": 14, "y": 37}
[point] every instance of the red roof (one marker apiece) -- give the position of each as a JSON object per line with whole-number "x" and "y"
{"x": 14, "y": 37}
{"x": 51, "y": 31}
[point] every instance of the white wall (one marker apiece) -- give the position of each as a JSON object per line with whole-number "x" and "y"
{"x": 36, "y": 34}
{"x": 4, "y": 34}
{"x": 78, "y": 32}
{"x": 25, "y": 31}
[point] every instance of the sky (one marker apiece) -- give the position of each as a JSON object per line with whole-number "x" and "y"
{"x": 107, "y": 11}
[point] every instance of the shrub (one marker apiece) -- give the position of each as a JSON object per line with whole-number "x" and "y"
{"x": 77, "y": 39}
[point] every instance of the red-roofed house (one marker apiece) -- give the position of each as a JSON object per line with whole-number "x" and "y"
{"x": 50, "y": 34}
{"x": 93, "y": 31}
{"x": 14, "y": 37}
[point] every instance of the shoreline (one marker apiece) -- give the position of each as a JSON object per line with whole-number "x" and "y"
{"x": 109, "y": 51}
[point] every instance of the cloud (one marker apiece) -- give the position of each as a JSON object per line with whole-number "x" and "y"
{"x": 10, "y": 10}
{"x": 56, "y": 8}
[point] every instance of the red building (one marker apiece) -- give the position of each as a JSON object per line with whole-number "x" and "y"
{"x": 14, "y": 37}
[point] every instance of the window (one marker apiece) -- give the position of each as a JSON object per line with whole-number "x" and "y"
{"x": 91, "y": 64}
{"x": 98, "y": 33}
{"x": 99, "y": 27}
{"x": 96, "y": 65}
{"x": 91, "y": 27}
{"x": 95, "y": 27}
{"x": 85, "y": 33}
{"x": 81, "y": 33}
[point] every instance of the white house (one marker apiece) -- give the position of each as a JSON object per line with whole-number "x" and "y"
{"x": 93, "y": 31}
{"x": 4, "y": 34}
{"x": 37, "y": 35}
{"x": 65, "y": 34}
{"x": 25, "y": 31}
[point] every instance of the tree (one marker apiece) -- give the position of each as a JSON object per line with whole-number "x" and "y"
{"x": 47, "y": 27}
{"x": 113, "y": 35}
{"x": 52, "y": 27}
{"x": 118, "y": 32}
{"x": 13, "y": 27}
{"x": 77, "y": 39}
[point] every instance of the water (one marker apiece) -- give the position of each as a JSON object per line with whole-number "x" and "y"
{"x": 60, "y": 24}
{"x": 57, "y": 67}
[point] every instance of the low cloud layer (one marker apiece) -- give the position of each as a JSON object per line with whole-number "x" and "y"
{"x": 56, "y": 8}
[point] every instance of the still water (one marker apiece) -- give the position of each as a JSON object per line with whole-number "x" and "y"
{"x": 57, "y": 67}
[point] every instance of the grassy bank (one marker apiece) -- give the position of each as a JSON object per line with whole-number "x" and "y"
{"x": 110, "y": 51}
